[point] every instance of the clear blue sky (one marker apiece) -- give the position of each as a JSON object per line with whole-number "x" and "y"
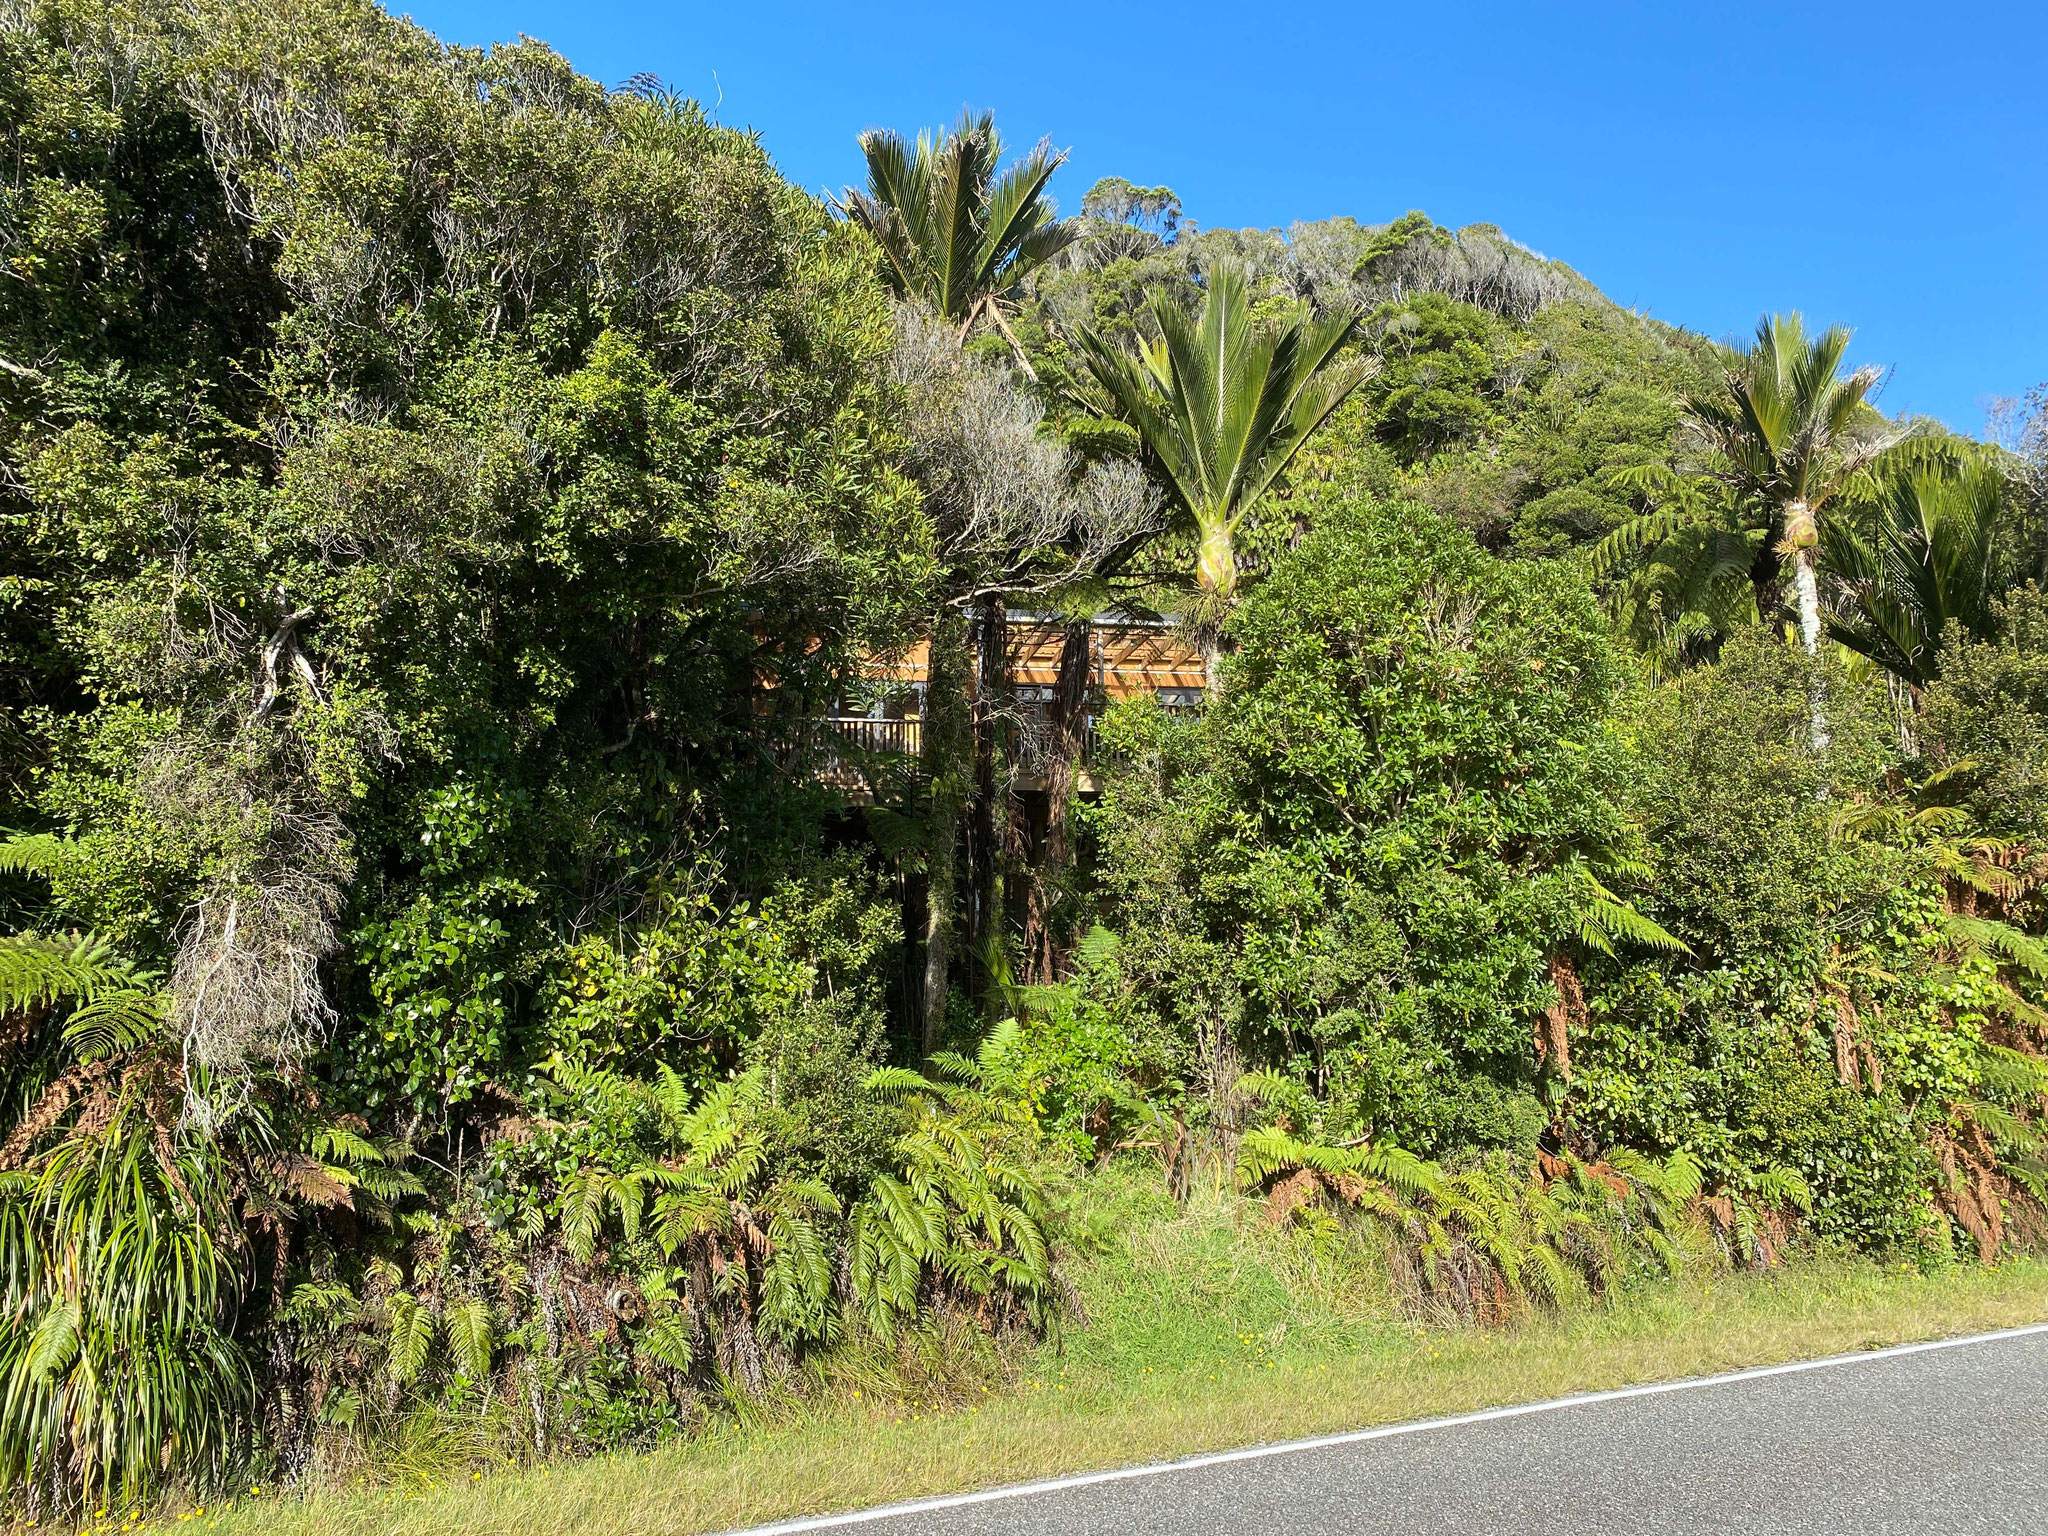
{"x": 1882, "y": 164}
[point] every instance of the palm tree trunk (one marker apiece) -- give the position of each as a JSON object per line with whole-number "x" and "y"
{"x": 1802, "y": 539}
{"x": 1216, "y": 581}
{"x": 1806, "y": 581}
{"x": 1216, "y": 564}
{"x": 944, "y": 748}
{"x": 1802, "y": 534}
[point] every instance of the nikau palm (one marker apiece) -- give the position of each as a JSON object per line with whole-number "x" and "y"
{"x": 955, "y": 233}
{"x": 1789, "y": 433}
{"x": 957, "y": 236}
{"x": 1222, "y": 403}
{"x": 1935, "y": 560}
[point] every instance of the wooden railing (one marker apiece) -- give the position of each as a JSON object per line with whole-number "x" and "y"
{"x": 898, "y": 738}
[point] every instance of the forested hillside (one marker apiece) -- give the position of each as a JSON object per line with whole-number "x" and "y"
{"x": 451, "y": 989}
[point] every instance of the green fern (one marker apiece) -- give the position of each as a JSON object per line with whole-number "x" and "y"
{"x": 1987, "y": 936}
{"x": 467, "y": 1327}
{"x": 1605, "y": 919}
{"x": 37, "y": 972}
{"x": 33, "y": 853}
{"x": 2010, "y": 1072}
{"x": 410, "y": 1337}
{"x": 1780, "y": 1187}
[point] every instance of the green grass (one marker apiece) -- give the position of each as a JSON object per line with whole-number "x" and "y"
{"x": 1206, "y": 1330}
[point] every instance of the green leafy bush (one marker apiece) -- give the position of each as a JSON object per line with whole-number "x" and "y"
{"x": 1374, "y": 841}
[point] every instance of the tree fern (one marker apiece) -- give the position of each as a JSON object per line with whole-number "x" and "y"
{"x": 2013, "y": 1073}
{"x": 1604, "y": 920}
{"x": 1680, "y": 576}
{"x": 32, "y": 853}
{"x": 1778, "y": 1186}
{"x": 901, "y": 1082}
{"x": 955, "y": 1211}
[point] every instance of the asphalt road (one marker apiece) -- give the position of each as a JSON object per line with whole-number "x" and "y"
{"x": 1950, "y": 1438}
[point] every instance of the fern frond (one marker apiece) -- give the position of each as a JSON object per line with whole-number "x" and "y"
{"x": 340, "y": 1143}
{"x": 898, "y": 1082}
{"x": 1683, "y": 1176}
{"x": 37, "y": 972}
{"x": 1413, "y": 1176}
{"x": 33, "y": 853}
{"x": 411, "y": 1337}
{"x": 114, "y": 1024}
{"x": 1781, "y": 1186}
{"x": 467, "y": 1326}
{"x": 668, "y": 1341}
{"x": 1989, "y": 937}
{"x": 2009, "y": 1131}
{"x": 2011, "y": 1072}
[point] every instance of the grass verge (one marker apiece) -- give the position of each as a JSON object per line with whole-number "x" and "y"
{"x": 1203, "y": 1336}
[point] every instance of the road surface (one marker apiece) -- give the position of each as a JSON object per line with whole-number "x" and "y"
{"x": 1944, "y": 1438}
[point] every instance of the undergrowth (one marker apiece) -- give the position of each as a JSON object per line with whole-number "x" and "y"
{"x": 1190, "y": 1325}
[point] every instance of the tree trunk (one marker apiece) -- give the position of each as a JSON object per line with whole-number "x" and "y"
{"x": 1209, "y": 638}
{"x": 991, "y": 711}
{"x": 1802, "y": 542}
{"x": 944, "y": 749}
{"x": 1022, "y": 747}
{"x": 1216, "y": 580}
{"x": 1216, "y": 565}
{"x": 1554, "y": 1028}
{"x": 1802, "y": 538}
{"x": 1767, "y": 581}
{"x": 1807, "y": 582}
{"x": 1066, "y": 732}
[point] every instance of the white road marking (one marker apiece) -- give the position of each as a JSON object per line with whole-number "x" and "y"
{"x": 1358, "y": 1436}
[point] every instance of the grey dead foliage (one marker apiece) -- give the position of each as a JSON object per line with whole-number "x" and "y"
{"x": 241, "y": 776}
{"x": 1477, "y": 265}
{"x": 2019, "y": 425}
{"x": 245, "y": 985}
{"x": 1334, "y": 263}
{"x": 1012, "y": 507}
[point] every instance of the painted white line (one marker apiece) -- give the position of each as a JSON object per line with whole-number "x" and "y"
{"x": 1357, "y": 1436}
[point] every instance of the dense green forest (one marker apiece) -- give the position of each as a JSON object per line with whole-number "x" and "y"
{"x": 440, "y": 496}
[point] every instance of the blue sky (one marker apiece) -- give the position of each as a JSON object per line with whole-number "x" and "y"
{"x": 1883, "y": 165}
